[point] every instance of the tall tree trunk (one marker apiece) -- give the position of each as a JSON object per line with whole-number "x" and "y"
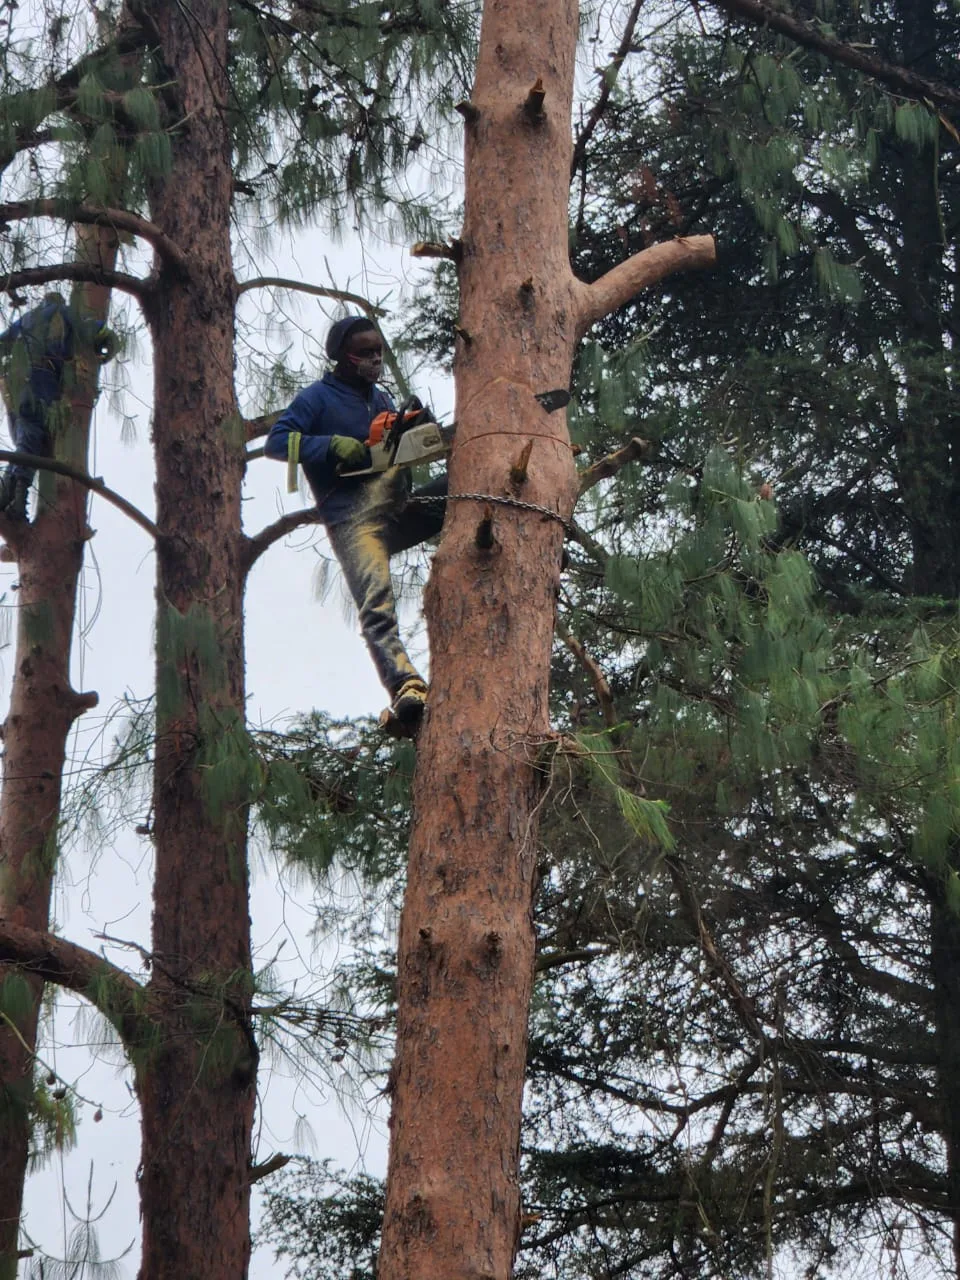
{"x": 43, "y": 708}
{"x": 928, "y": 467}
{"x": 196, "y": 1083}
{"x": 466, "y": 945}
{"x": 945, "y": 966}
{"x": 926, "y": 445}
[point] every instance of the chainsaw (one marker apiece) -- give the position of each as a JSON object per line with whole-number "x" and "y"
{"x": 405, "y": 438}
{"x": 410, "y": 436}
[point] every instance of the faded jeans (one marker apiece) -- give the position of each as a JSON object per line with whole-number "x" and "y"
{"x": 384, "y": 523}
{"x": 29, "y": 436}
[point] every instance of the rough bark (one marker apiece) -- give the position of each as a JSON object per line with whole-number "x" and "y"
{"x": 929, "y": 477}
{"x": 466, "y": 949}
{"x": 43, "y": 708}
{"x": 945, "y": 966}
{"x": 196, "y": 1086}
{"x": 926, "y": 442}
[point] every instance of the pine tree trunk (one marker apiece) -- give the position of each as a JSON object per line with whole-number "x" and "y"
{"x": 466, "y": 947}
{"x": 927, "y": 470}
{"x": 927, "y": 428}
{"x": 197, "y": 1083}
{"x": 43, "y": 708}
{"x": 945, "y": 968}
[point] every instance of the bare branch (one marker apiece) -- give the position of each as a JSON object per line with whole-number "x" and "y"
{"x": 434, "y": 249}
{"x": 39, "y": 463}
{"x": 589, "y": 543}
{"x": 255, "y": 547}
{"x": 118, "y": 996}
{"x": 556, "y": 959}
{"x": 806, "y": 34}
{"x": 340, "y": 295}
{"x": 134, "y": 285}
{"x": 629, "y": 278}
{"x": 258, "y": 1171}
{"x": 601, "y": 685}
{"x": 118, "y": 219}
{"x": 300, "y": 286}
{"x": 256, "y": 427}
{"x": 612, "y": 463}
{"x": 609, "y": 76}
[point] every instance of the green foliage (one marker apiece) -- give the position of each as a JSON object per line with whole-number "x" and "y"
{"x": 53, "y": 1122}
{"x": 335, "y": 794}
{"x": 232, "y": 773}
{"x": 187, "y": 644}
{"x": 322, "y": 1222}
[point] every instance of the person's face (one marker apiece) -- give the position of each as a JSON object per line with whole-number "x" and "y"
{"x": 363, "y": 355}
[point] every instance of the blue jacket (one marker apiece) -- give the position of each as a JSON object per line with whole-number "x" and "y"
{"x": 330, "y": 407}
{"x": 46, "y": 334}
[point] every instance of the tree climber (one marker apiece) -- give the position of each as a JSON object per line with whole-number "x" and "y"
{"x": 40, "y": 349}
{"x": 368, "y": 518}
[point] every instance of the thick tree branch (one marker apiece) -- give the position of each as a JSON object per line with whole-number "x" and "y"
{"x": 139, "y": 288}
{"x": 609, "y": 465}
{"x": 627, "y": 279}
{"x": 253, "y": 548}
{"x": 89, "y": 482}
{"x": 811, "y": 37}
{"x": 118, "y": 997}
{"x": 118, "y": 219}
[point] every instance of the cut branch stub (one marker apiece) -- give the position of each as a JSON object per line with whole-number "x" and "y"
{"x": 484, "y": 536}
{"x": 533, "y": 107}
{"x": 518, "y": 472}
{"x": 469, "y": 112}
{"x": 433, "y": 249}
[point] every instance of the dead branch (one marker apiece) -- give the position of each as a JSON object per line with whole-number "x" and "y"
{"x": 609, "y": 465}
{"x": 258, "y": 1171}
{"x": 601, "y": 685}
{"x": 256, "y": 427}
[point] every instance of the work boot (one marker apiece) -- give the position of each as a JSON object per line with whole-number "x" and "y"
{"x": 13, "y": 495}
{"x": 409, "y": 701}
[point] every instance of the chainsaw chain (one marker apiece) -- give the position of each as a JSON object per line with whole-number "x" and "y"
{"x": 497, "y": 501}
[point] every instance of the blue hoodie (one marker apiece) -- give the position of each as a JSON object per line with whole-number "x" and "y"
{"x": 47, "y": 334}
{"x": 330, "y": 407}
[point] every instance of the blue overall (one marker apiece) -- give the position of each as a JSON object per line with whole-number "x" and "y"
{"x": 42, "y": 343}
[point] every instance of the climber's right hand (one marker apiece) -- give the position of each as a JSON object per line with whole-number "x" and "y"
{"x": 348, "y": 454}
